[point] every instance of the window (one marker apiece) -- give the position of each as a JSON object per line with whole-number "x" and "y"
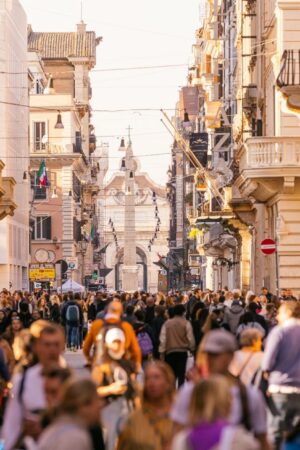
{"x": 37, "y": 86}
{"x": 77, "y": 235}
{"x": 39, "y": 133}
{"x": 42, "y": 228}
{"x": 40, "y": 192}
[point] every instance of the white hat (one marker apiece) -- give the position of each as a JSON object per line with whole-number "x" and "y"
{"x": 114, "y": 334}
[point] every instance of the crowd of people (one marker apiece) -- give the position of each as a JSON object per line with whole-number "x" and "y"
{"x": 197, "y": 370}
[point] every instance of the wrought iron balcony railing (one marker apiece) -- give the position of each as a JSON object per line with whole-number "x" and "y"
{"x": 289, "y": 74}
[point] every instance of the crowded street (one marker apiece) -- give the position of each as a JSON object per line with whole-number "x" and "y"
{"x": 150, "y": 225}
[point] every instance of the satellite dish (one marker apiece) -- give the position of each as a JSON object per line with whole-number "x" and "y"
{"x": 45, "y": 139}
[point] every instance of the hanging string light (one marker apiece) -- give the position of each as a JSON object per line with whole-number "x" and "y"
{"x": 110, "y": 222}
{"x": 158, "y": 221}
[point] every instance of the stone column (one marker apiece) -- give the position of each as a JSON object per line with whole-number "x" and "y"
{"x": 130, "y": 268}
{"x": 245, "y": 257}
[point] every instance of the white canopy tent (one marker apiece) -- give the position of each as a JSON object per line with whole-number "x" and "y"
{"x": 71, "y": 285}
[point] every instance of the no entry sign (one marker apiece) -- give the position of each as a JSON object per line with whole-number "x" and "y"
{"x": 268, "y": 246}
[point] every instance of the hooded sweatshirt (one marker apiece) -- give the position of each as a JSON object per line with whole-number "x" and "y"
{"x": 232, "y": 315}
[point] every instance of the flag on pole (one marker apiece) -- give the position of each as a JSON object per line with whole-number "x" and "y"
{"x": 42, "y": 174}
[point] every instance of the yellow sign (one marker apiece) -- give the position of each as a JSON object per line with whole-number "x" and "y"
{"x": 41, "y": 272}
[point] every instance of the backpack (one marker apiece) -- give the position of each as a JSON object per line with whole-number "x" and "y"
{"x": 72, "y": 313}
{"x": 145, "y": 343}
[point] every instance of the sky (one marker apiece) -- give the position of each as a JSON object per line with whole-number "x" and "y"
{"x": 135, "y": 33}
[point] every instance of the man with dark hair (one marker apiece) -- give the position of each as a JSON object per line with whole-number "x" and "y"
{"x": 176, "y": 340}
{"x": 266, "y": 293}
{"x": 194, "y": 300}
{"x": 72, "y": 316}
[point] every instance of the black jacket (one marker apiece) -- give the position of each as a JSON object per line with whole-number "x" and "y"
{"x": 64, "y": 313}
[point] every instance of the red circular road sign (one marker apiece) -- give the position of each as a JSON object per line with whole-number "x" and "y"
{"x": 268, "y": 246}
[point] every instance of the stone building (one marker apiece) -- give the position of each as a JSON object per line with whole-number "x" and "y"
{"x": 14, "y": 154}
{"x": 151, "y": 217}
{"x": 246, "y": 70}
{"x": 64, "y": 223}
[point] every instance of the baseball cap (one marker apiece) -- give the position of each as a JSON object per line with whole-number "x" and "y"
{"x": 114, "y": 334}
{"x": 218, "y": 341}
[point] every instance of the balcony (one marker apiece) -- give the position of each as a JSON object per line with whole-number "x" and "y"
{"x": 288, "y": 80}
{"x": 52, "y": 151}
{"x": 7, "y": 204}
{"x": 269, "y": 165}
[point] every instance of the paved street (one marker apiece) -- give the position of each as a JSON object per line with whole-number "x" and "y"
{"x": 76, "y": 361}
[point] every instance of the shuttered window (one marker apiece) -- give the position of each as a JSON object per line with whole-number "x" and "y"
{"x": 42, "y": 228}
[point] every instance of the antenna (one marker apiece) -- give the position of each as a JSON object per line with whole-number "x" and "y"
{"x": 81, "y": 10}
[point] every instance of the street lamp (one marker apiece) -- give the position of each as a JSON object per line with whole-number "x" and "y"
{"x": 59, "y": 125}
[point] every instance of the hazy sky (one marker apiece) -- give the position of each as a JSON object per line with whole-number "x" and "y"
{"x": 135, "y": 33}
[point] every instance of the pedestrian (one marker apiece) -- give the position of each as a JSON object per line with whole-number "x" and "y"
{"x": 156, "y": 325}
{"x": 8, "y": 355}
{"x": 113, "y": 317}
{"x": 265, "y": 291}
{"x": 150, "y": 309}
{"x": 72, "y": 316}
{"x": 78, "y": 411}
{"x": 209, "y": 414}
{"x": 145, "y": 336}
{"x": 198, "y": 324}
{"x": 55, "y": 308}
{"x": 233, "y": 314}
{"x": 249, "y": 320}
{"x": 214, "y": 357}
{"x": 13, "y": 330}
{"x": 27, "y": 398}
{"x": 195, "y": 299}
{"x": 176, "y": 340}
{"x": 113, "y": 374}
{"x": 150, "y": 426}
{"x": 246, "y": 361}
{"x": 43, "y": 307}
{"x": 129, "y": 314}
{"x": 281, "y": 367}
{"x": 82, "y": 306}
{"x": 91, "y": 308}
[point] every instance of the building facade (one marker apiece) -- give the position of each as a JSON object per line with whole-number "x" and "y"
{"x": 14, "y": 154}
{"x": 63, "y": 219}
{"x": 246, "y": 71}
{"x": 151, "y": 217}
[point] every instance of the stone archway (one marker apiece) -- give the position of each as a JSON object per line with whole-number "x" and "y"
{"x": 141, "y": 261}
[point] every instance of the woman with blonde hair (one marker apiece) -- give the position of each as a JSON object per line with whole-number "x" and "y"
{"x": 79, "y": 410}
{"x": 246, "y": 361}
{"x": 150, "y": 427}
{"x": 208, "y": 418}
